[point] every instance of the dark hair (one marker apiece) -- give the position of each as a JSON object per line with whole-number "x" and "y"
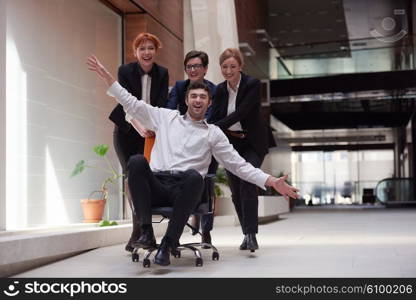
{"x": 198, "y": 85}
{"x": 194, "y": 54}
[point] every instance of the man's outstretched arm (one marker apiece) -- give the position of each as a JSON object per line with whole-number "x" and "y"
{"x": 148, "y": 115}
{"x": 281, "y": 186}
{"x": 95, "y": 65}
{"x": 226, "y": 155}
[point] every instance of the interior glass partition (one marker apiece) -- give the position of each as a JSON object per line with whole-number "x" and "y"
{"x": 340, "y": 177}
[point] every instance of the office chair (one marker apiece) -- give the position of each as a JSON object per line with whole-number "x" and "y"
{"x": 204, "y": 207}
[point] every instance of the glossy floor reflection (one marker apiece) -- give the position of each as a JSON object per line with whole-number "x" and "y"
{"x": 309, "y": 242}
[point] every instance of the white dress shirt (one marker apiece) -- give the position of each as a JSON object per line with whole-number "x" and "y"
{"x": 146, "y": 81}
{"x": 232, "y": 98}
{"x": 182, "y": 143}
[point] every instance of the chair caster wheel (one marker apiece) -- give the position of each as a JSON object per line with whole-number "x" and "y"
{"x": 135, "y": 257}
{"x": 198, "y": 262}
{"x": 215, "y": 256}
{"x": 176, "y": 253}
{"x": 146, "y": 263}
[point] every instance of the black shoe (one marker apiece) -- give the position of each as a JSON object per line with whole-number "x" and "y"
{"x": 195, "y": 221}
{"x": 135, "y": 235}
{"x": 147, "y": 239}
{"x": 206, "y": 238}
{"x": 162, "y": 256}
{"x": 129, "y": 246}
{"x": 251, "y": 242}
{"x": 243, "y": 245}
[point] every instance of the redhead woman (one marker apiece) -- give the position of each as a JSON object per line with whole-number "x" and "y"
{"x": 237, "y": 112}
{"x": 148, "y": 82}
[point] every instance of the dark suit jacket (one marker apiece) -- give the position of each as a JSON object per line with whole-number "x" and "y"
{"x": 247, "y": 112}
{"x": 129, "y": 76}
{"x": 176, "y": 98}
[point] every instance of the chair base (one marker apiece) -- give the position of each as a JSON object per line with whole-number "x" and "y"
{"x": 177, "y": 253}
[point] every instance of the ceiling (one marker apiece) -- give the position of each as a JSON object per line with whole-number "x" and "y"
{"x": 333, "y": 49}
{"x": 334, "y": 28}
{"x": 301, "y": 28}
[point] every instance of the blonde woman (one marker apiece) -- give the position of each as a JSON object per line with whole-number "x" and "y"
{"x": 237, "y": 112}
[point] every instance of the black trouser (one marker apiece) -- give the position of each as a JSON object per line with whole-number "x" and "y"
{"x": 207, "y": 221}
{"x": 126, "y": 145}
{"x": 182, "y": 191}
{"x": 245, "y": 194}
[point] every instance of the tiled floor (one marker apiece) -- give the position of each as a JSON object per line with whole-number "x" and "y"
{"x": 309, "y": 242}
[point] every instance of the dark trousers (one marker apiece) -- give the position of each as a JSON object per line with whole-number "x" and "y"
{"x": 245, "y": 194}
{"x": 126, "y": 145}
{"x": 207, "y": 221}
{"x": 182, "y": 191}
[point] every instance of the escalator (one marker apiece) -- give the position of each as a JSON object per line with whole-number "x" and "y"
{"x": 396, "y": 192}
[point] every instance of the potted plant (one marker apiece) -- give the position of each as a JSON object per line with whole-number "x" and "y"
{"x": 93, "y": 209}
{"x": 220, "y": 178}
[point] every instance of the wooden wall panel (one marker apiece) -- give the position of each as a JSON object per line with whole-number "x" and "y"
{"x": 124, "y": 6}
{"x": 171, "y": 54}
{"x": 252, "y": 15}
{"x": 133, "y": 25}
{"x": 167, "y": 12}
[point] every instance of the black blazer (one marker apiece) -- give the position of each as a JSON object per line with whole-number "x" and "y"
{"x": 247, "y": 112}
{"x": 129, "y": 77}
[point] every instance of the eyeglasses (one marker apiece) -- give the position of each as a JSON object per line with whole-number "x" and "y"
{"x": 195, "y": 66}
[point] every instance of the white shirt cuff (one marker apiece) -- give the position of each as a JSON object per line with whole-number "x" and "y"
{"x": 112, "y": 90}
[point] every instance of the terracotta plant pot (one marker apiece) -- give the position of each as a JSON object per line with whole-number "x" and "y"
{"x": 93, "y": 210}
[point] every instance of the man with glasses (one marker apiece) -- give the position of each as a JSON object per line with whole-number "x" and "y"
{"x": 196, "y": 66}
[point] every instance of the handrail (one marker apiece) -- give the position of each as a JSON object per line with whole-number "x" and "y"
{"x": 396, "y": 190}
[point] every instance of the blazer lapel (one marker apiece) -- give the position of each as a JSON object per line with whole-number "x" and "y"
{"x": 241, "y": 89}
{"x": 154, "y": 88}
{"x": 224, "y": 103}
{"x": 136, "y": 81}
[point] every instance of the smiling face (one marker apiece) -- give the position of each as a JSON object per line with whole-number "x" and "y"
{"x": 198, "y": 101}
{"x": 230, "y": 69}
{"x": 146, "y": 54}
{"x": 195, "y": 69}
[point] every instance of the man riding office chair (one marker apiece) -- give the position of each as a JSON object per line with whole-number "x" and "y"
{"x": 181, "y": 156}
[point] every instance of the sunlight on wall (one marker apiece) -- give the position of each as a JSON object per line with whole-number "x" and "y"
{"x": 56, "y": 213}
{"x": 16, "y": 139}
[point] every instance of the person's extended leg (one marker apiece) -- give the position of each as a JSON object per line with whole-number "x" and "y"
{"x": 127, "y": 145}
{"x": 249, "y": 204}
{"x": 185, "y": 200}
{"x": 234, "y": 183}
{"x": 207, "y": 221}
{"x": 145, "y": 189}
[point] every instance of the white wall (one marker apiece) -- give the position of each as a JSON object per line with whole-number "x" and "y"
{"x": 56, "y": 109}
{"x": 278, "y": 159}
{"x": 214, "y": 28}
{"x": 2, "y": 114}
